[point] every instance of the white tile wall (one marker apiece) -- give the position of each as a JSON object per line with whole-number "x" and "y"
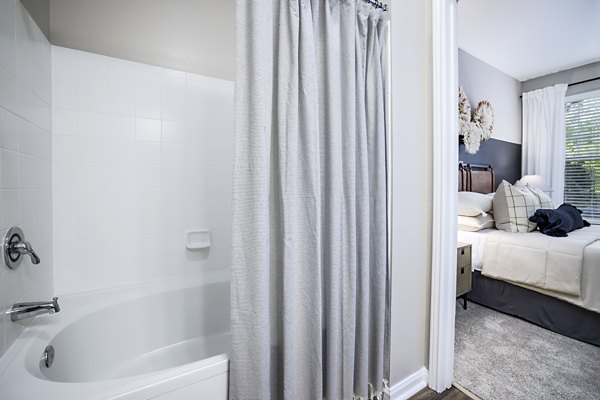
{"x": 141, "y": 154}
{"x": 25, "y": 159}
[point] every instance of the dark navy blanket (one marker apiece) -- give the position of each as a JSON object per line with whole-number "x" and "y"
{"x": 559, "y": 222}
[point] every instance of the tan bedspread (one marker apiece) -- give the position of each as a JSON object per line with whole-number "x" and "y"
{"x": 566, "y": 268}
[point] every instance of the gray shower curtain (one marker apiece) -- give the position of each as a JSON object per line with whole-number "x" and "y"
{"x": 309, "y": 269}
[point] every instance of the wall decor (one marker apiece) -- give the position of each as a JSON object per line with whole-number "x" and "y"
{"x": 484, "y": 117}
{"x": 477, "y": 127}
{"x": 472, "y": 137}
{"x": 464, "y": 111}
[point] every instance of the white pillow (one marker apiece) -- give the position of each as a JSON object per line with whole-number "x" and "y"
{"x": 474, "y": 224}
{"x": 471, "y": 204}
{"x": 513, "y": 207}
{"x": 544, "y": 199}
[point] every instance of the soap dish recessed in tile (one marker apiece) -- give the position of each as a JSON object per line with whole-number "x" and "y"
{"x": 197, "y": 239}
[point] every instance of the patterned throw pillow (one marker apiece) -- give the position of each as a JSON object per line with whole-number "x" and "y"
{"x": 513, "y": 207}
{"x": 545, "y": 200}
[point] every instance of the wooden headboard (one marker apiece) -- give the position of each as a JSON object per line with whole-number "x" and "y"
{"x": 476, "y": 178}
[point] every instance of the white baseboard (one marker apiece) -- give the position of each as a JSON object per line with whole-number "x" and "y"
{"x": 410, "y": 385}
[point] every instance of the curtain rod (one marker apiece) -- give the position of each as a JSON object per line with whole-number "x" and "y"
{"x": 586, "y": 81}
{"x": 377, "y": 4}
{"x": 577, "y": 83}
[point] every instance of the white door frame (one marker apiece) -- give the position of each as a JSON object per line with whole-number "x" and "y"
{"x": 445, "y": 182}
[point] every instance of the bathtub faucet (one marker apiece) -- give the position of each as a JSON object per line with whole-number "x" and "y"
{"x": 24, "y": 248}
{"x": 21, "y": 311}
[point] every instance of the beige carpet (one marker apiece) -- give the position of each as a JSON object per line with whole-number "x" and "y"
{"x": 499, "y": 357}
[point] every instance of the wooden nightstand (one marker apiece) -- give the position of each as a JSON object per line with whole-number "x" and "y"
{"x": 463, "y": 272}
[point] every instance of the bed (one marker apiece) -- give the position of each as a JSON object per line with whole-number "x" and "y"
{"x": 571, "y": 309}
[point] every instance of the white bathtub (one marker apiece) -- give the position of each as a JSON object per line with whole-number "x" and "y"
{"x": 166, "y": 340}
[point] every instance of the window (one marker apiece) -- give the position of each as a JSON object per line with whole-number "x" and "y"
{"x": 582, "y": 167}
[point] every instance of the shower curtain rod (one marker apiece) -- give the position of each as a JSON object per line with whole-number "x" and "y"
{"x": 377, "y": 4}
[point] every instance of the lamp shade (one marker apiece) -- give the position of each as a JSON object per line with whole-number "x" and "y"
{"x": 537, "y": 181}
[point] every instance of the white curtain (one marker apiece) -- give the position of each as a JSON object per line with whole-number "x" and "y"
{"x": 544, "y": 137}
{"x": 309, "y": 256}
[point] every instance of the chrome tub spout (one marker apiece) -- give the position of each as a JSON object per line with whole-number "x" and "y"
{"x": 21, "y": 311}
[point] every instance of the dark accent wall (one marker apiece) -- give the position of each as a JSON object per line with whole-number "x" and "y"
{"x": 504, "y": 157}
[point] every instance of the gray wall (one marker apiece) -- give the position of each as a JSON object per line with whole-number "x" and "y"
{"x": 189, "y": 35}
{"x": 578, "y": 74}
{"x": 482, "y": 81}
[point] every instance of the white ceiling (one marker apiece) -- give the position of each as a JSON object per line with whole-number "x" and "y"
{"x": 530, "y": 38}
{"x": 190, "y": 35}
